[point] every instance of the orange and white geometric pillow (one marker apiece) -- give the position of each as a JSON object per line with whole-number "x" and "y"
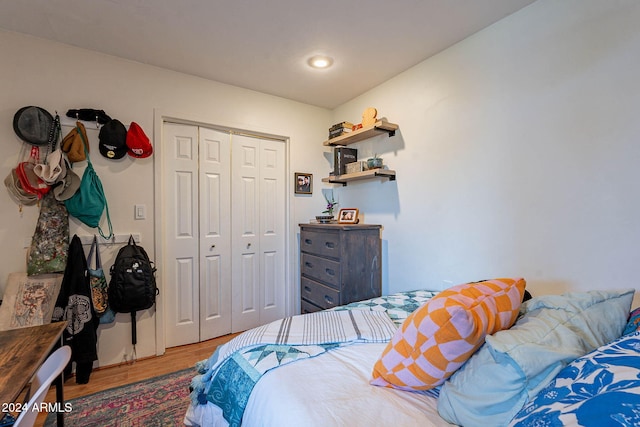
{"x": 437, "y": 338}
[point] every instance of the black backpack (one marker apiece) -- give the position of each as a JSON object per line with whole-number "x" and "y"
{"x": 133, "y": 282}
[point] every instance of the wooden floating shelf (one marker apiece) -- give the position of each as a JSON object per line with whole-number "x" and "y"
{"x": 368, "y": 174}
{"x": 380, "y": 127}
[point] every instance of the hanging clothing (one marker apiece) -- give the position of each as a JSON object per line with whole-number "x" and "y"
{"x": 74, "y": 305}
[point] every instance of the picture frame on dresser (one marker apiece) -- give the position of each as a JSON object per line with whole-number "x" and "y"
{"x": 303, "y": 183}
{"x": 348, "y": 216}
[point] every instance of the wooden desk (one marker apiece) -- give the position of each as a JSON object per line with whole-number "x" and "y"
{"x": 22, "y": 351}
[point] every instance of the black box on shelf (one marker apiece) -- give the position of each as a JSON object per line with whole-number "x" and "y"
{"x": 342, "y": 156}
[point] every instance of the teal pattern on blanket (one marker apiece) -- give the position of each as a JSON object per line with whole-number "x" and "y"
{"x": 231, "y": 386}
{"x": 397, "y": 306}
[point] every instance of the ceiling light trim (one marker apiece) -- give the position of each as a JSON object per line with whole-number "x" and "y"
{"x": 320, "y": 62}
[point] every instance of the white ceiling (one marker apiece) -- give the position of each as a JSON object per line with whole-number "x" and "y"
{"x": 264, "y": 45}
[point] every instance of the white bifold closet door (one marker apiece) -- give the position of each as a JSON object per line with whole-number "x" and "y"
{"x": 258, "y": 237}
{"x": 224, "y": 232}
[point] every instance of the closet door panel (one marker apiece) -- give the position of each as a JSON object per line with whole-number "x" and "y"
{"x": 184, "y": 304}
{"x": 181, "y": 235}
{"x": 211, "y": 258}
{"x": 245, "y": 225}
{"x": 272, "y": 230}
{"x": 215, "y": 233}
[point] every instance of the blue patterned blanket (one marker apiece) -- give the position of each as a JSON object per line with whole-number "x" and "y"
{"x": 601, "y": 388}
{"x": 227, "y": 378}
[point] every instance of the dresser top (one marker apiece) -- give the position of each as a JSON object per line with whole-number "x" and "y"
{"x": 341, "y": 226}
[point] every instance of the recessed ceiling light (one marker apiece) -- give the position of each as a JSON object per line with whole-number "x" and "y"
{"x": 320, "y": 61}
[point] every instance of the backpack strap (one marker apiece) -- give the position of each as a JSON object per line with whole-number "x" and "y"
{"x": 94, "y": 247}
{"x": 98, "y": 261}
{"x": 106, "y": 207}
{"x": 134, "y": 335}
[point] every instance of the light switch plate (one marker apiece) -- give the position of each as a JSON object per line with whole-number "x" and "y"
{"x": 140, "y": 212}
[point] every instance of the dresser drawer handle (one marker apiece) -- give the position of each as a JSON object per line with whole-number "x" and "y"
{"x": 330, "y": 272}
{"x": 308, "y": 264}
{"x": 307, "y": 289}
{"x": 328, "y": 299}
{"x": 330, "y": 245}
{"x": 307, "y": 241}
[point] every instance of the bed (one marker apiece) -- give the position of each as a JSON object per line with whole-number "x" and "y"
{"x": 514, "y": 374}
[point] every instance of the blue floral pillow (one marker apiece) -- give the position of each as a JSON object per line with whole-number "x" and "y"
{"x": 599, "y": 389}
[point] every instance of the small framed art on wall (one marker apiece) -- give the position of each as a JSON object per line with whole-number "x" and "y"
{"x": 304, "y": 183}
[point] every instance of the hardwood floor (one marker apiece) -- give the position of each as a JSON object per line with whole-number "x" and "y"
{"x": 174, "y": 359}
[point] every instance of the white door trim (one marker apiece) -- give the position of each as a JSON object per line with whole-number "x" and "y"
{"x": 292, "y": 293}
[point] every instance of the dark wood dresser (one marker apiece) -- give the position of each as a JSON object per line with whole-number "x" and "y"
{"x": 339, "y": 264}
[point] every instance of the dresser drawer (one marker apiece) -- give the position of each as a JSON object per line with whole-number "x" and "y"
{"x": 307, "y": 307}
{"x": 319, "y": 294}
{"x": 321, "y": 269}
{"x": 323, "y": 244}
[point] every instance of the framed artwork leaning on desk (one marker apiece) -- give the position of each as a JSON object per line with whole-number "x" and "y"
{"x": 29, "y": 300}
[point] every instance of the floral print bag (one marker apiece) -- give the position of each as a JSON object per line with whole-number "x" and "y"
{"x": 50, "y": 241}
{"x": 98, "y": 285}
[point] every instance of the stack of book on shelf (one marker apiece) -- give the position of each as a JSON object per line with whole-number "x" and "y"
{"x": 340, "y": 129}
{"x": 341, "y": 157}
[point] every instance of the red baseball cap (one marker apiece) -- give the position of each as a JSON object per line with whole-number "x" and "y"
{"x": 138, "y": 143}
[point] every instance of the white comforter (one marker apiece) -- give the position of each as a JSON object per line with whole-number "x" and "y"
{"x": 333, "y": 390}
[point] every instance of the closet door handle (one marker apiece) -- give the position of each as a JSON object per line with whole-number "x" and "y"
{"x": 248, "y": 245}
{"x": 213, "y": 246}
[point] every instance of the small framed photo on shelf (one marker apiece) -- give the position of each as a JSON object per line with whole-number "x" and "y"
{"x": 348, "y": 216}
{"x": 304, "y": 183}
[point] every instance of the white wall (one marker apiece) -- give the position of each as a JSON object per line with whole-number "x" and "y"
{"x": 518, "y": 154}
{"x": 59, "y": 77}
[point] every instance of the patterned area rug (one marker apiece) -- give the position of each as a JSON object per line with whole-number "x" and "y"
{"x": 157, "y": 402}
